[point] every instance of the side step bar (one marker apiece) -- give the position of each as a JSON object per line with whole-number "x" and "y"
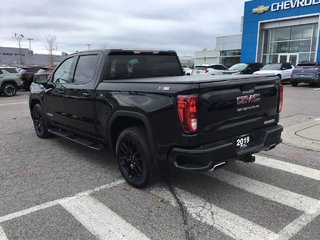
{"x": 76, "y": 138}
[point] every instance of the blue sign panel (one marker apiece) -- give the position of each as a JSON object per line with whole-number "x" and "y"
{"x": 270, "y": 10}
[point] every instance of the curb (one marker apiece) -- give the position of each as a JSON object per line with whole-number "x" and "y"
{"x": 295, "y": 135}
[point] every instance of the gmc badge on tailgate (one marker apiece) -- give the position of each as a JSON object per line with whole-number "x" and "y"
{"x": 253, "y": 98}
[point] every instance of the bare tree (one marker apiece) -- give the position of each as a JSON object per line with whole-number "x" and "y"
{"x": 18, "y": 37}
{"x": 51, "y": 46}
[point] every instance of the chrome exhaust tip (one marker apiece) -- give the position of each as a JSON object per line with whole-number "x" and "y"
{"x": 215, "y": 167}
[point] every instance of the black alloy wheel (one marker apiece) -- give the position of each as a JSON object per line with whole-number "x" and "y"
{"x": 134, "y": 157}
{"x": 130, "y": 158}
{"x": 9, "y": 89}
{"x": 39, "y": 122}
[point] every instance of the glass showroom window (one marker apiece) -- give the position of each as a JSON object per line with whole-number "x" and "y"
{"x": 281, "y": 43}
{"x": 230, "y": 57}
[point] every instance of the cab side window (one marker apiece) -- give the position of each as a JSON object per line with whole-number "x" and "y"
{"x": 86, "y": 68}
{"x": 62, "y": 74}
{"x": 287, "y": 66}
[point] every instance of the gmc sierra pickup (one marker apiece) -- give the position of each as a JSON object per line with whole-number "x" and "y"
{"x": 140, "y": 105}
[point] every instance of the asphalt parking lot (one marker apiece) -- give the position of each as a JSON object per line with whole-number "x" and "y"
{"x": 56, "y": 189}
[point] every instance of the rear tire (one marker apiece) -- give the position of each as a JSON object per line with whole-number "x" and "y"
{"x": 39, "y": 122}
{"x": 294, "y": 84}
{"x": 134, "y": 157}
{"x": 9, "y": 89}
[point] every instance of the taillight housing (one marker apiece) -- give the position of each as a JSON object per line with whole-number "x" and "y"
{"x": 206, "y": 70}
{"x": 187, "y": 112}
{"x": 280, "y": 99}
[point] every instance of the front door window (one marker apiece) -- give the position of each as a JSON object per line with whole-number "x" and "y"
{"x": 62, "y": 74}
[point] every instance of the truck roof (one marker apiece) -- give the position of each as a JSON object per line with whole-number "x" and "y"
{"x": 128, "y": 51}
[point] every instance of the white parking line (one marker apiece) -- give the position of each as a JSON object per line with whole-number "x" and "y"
{"x": 295, "y": 226}
{"x": 289, "y": 167}
{"x": 55, "y": 202}
{"x": 316, "y": 89}
{"x": 100, "y": 220}
{"x": 285, "y": 197}
{"x": 16, "y": 103}
{"x": 225, "y": 221}
{"x": 2, "y": 234}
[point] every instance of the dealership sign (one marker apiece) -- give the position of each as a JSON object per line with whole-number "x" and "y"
{"x": 285, "y": 5}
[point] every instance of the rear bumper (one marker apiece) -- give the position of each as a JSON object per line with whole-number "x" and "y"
{"x": 306, "y": 79}
{"x": 206, "y": 157}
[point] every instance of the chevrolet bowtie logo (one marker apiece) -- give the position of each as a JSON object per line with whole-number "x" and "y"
{"x": 260, "y": 9}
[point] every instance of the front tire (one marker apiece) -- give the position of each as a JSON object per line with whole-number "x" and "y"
{"x": 134, "y": 157}
{"x": 9, "y": 89}
{"x": 39, "y": 122}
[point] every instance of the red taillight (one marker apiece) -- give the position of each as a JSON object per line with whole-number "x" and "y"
{"x": 206, "y": 70}
{"x": 187, "y": 111}
{"x": 280, "y": 99}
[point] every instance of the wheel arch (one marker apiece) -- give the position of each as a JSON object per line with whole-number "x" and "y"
{"x": 279, "y": 76}
{"x": 9, "y": 81}
{"x": 32, "y": 103}
{"x": 123, "y": 119}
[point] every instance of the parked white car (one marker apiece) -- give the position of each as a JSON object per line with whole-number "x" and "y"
{"x": 213, "y": 69}
{"x": 283, "y": 70}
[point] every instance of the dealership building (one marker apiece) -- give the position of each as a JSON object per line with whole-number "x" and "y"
{"x": 281, "y": 31}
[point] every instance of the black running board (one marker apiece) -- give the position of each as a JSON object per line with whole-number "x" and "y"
{"x": 76, "y": 138}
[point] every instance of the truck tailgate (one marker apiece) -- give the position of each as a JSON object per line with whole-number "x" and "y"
{"x": 236, "y": 106}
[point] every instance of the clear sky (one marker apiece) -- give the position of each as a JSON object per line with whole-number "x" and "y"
{"x": 185, "y": 26}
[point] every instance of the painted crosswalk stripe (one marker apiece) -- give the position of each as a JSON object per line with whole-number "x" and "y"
{"x": 297, "y": 225}
{"x": 273, "y": 193}
{"x": 2, "y": 234}
{"x": 225, "y": 221}
{"x": 100, "y": 220}
{"x": 289, "y": 167}
{"x": 56, "y": 202}
{"x": 15, "y": 103}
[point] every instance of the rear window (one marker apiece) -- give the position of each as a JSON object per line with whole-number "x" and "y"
{"x": 308, "y": 64}
{"x": 33, "y": 69}
{"x": 10, "y": 70}
{"x": 142, "y": 66}
{"x": 200, "y": 67}
{"x": 218, "y": 67}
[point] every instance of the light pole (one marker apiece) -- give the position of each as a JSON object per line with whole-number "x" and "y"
{"x": 88, "y": 46}
{"x": 30, "y": 39}
{"x": 18, "y": 37}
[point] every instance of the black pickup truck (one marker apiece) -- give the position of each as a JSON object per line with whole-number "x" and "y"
{"x": 140, "y": 105}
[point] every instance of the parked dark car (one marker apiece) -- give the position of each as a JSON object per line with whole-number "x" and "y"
{"x": 140, "y": 105}
{"x": 27, "y": 75}
{"x": 244, "y": 68}
{"x": 306, "y": 73}
{"x": 42, "y": 75}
